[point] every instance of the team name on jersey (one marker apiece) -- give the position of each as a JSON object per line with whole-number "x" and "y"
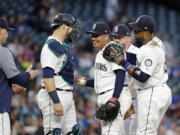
{"x": 101, "y": 66}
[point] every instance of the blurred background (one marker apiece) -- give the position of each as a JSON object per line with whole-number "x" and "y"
{"x": 32, "y": 18}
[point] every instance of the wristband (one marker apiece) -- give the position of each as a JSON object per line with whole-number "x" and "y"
{"x": 125, "y": 64}
{"x": 54, "y": 96}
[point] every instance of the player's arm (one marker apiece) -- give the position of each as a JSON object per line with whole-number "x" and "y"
{"x": 120, "y": 76}
{"x": 135, "y": 72}
{"x": 48, "y": 78}
{"x": 10, "y": 70}
{"x": 147, "y": 66}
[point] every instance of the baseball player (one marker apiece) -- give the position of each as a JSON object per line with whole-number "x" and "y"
{"x": 122, "y": 34}
{"x": 108, "y": 82}
{"x": 9, "y": 78}
{"x": 55, "y": 99}
{"x": 153, "y": 94}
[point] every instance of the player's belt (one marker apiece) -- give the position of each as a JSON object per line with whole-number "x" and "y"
{"x": 125, "y": 85}
{"x": 104, "y": 92}
{"x": 58, "y": 89}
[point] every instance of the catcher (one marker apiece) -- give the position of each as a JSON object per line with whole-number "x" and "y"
{"x": 108, "y": 84}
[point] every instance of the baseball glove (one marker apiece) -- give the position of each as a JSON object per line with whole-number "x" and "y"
{"x": 108, "y": 111}
{"x": 130, "y": 112}
{"x": 113, "y": 51}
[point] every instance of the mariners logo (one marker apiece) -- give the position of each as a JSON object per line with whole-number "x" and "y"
{"x": 94, "y": 27}
{"x": 101, "y": 67}
{"x": 148, "y": 62}
{"x": 115, "y": 29}
{"x": 137, "y": 19}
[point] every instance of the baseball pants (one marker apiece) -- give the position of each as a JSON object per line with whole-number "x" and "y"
{"x": 4, "y": 124}
{"x": 131, "y": 123}
{"x": 115, "y": 127}
{"x": 152, "y": 105}
{"x": 51, "y": 121}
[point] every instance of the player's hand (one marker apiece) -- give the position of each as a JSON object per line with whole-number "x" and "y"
{"x": 33, "y": 73}
{"x": 58, "y": 109}
{"x": 17, "y": 89}
{"x": 119, "y": 59}
{"x": 81, "y": 81}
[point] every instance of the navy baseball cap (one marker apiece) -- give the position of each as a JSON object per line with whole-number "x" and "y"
{"x": 144, "y": 23}
{"x": 4, "y": 25}
{"x": 99, "y": 28}
{"x": 121, "y": 30}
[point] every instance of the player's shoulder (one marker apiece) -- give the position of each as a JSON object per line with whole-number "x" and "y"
{"x": 133, "y": 49}
{"x": 4, "y": 50}
{"x": 55, "y": 47}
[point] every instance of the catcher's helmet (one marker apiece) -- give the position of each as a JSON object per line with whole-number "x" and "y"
{"x": 63, "y": 19}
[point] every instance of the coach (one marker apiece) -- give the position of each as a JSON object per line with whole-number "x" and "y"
{"x": 9, "y": 75}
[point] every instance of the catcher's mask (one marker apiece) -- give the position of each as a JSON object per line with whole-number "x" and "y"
{"x": 71, "y": 21}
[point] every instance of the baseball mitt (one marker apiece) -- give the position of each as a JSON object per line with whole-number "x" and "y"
{"x": 108, "y": 111}
{"x": 130, "y": 112}
{"x": 113, "y": 51}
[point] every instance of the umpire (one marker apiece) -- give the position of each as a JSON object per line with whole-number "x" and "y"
{"x": 9, "y": 75}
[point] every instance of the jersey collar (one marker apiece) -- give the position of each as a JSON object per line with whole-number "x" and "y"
{"x": 51, "y": 37}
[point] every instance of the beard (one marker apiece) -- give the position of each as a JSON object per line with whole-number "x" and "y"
{"x": 138, "y": 42}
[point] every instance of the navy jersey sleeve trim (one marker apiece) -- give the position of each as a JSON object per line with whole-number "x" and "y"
{"x": 140, "y": 75}
{"x": 120, "y": 77}
{"x": 56, "y": 47}
{"x": 48, "y": 72}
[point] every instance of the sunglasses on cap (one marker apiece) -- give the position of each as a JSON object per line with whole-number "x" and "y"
{"x": 94, "y": 35}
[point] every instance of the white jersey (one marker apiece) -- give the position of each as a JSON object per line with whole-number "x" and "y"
{"x": 151, "y": 60}
{"x": 134, "y": 50}
{"x": 49, "y": 59}
{"x": 104, "y": 77}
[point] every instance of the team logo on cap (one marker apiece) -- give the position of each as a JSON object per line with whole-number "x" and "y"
{"x": 94, "y": 27}
{"x": 145, "y": 27}
{"x": 137, "y": 19}
{"x": 115, "y": 29}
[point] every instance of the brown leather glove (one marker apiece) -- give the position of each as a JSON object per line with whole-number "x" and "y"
{"x": 130, "y": 112}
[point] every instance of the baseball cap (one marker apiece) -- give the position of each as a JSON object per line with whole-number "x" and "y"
{"x": 143, "y": 22}
{"x": 99, "y": 28}
{"x": 121, "y": 30}
{"x": 4, "y": 25}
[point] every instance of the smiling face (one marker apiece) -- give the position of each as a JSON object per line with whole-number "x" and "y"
{"x": 99, "y": 41}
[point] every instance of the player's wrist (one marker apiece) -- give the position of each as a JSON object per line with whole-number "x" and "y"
{"x": 113, "y": 100}
{"x": 125, "y": 64}
{"x": 54, "y": 96}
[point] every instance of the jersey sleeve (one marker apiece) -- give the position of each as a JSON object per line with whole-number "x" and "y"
{"x": 149, "y": 62}
{"x": 7, "y": 63}
{"x": 51, "y": 54}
